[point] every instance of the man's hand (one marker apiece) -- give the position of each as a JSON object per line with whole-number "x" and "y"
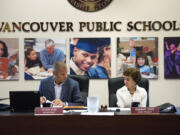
{"x": 58, "y": 102}
{"x": 42, "y": 100}
{"x": 50, "y": 70}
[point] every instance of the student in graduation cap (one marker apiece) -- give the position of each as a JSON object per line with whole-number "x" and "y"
{"x": 103, "y": 68}
{"x": 84, "y": 56}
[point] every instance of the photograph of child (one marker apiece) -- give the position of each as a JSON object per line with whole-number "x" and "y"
{"x": 172, "y": 57}
{"x": 91, "y": 56}
{"x": 9, "y": 59}
{"x": 138, "y": 52}
{"x": 40, "y": 56}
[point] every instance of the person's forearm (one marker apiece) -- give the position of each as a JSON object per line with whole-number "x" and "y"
{"x": 46, "y": 66}
{"x": 44, "y": 62}
{"x": 74, "y": 104}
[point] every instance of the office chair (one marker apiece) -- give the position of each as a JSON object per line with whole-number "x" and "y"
{"x": 83, "y": 81}
{"x": 115, "y": 83}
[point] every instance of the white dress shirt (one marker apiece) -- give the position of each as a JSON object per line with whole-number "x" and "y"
{"x": 124, "y": 98}
{"x": 58, "y": 89}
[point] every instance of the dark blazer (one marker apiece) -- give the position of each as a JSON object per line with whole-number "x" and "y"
{"x": 70, "y": 91}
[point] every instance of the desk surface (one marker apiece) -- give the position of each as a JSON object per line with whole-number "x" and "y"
{"x": 28, "y": 124}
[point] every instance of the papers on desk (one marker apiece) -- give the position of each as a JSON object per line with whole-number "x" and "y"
{"x": 40, "y": 75}
{"x": 121, "y": 109}
{"x": 75, "y": 108}
{"x": 44, "y": 74}
{"x": 98, "y": 113}
{"x": 111, "y": 111}
{"x": 74, "y": 111}
{"x": 150, "y": 76}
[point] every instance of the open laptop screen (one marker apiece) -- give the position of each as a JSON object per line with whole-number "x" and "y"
{"x": 24, "y": 101}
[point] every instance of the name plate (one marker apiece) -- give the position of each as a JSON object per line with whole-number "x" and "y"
{"x": 48, "y": 111}
{"x": 144, "y": 110}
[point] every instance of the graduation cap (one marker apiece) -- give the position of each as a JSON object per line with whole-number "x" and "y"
{"x": 90, "y": 45}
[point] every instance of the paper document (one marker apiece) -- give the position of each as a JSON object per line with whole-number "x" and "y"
{"x": 99, "y": 113}
{"x": 121, "y": 109}
{"x": 74, "y": 111}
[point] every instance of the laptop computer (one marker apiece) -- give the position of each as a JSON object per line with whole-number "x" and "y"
{"x": 24, "y": 101}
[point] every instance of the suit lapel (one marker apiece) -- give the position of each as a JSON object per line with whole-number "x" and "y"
{"x": 52, "y": 89}
{"x": 64, "y": 90}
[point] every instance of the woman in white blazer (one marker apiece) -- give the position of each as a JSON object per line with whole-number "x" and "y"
{"x": 131, "y": 92}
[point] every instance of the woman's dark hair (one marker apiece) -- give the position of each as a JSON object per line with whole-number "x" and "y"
{"x": 100, "y": 53}
{"x": 142, "y": 55}
{"x": 5, "y": 49}
{"x": 134, "y": 73}
{"x": 28, "y": 51}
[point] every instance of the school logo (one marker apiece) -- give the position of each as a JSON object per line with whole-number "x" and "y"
{"x": 90, "y": 5}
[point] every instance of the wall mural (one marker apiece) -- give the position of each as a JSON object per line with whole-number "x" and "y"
{"x": 91, "y": 56}
{"x": 40, "y": 56}
{"x": 9, "y": 59}
{"x": 172, "y": 57}
{"x": 138, "y": 52}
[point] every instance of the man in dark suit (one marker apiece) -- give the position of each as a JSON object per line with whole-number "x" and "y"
{"x": 59, "y": 88}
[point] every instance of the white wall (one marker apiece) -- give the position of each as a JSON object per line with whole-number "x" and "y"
{"x": 161, "y": 90}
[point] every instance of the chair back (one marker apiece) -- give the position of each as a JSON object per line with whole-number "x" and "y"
{"x": 83, "y": 81}
{"x": 115, "y": 83}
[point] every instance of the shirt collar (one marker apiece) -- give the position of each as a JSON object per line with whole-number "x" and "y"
{"x": 135, "y": 90}
{"x": 58, "y": 84}
{"x": 76, "y": 69}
